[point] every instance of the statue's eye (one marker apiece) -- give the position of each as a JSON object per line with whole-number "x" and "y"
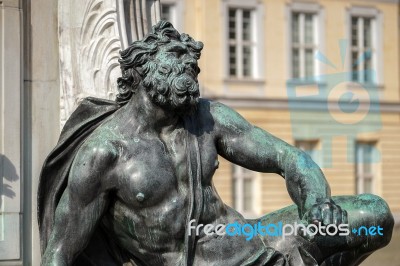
{"x": 176, "y": 54}
{"x": 177, "y": 51}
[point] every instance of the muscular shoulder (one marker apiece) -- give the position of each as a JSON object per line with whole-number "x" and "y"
{"x": 223, "y": 118}
{"x": 93, "y": 162}
{"x": 98, "y": 152}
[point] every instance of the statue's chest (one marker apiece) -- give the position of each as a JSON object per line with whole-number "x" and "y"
{"x": 153, "y": 171}
{"x": 147, "y": 173}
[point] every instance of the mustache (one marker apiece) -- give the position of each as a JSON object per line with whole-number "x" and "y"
{"x": 183, "y": 85}
{"x": 179, "y": 83}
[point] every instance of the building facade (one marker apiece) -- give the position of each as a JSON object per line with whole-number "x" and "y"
{"x": 321, "y": 74}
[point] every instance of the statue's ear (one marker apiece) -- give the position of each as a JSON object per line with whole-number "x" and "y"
{"x": 127, "y": 84}
{"x": 137, "y": 76}
{"x": 134, "y": 76}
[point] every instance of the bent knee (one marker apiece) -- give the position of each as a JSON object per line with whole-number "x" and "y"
{"x": 374, "y": 211}
{"x": 375, "y": 205}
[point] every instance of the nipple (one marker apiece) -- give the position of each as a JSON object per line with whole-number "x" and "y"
{"x": 140, "y": 197}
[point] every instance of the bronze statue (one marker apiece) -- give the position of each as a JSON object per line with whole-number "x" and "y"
{"x": 128, "y": 177}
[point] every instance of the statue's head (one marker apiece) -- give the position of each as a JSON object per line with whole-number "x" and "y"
{"x": 165, "y": 64}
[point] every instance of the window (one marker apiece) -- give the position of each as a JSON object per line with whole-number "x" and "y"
{"x": 241, "y": 42}
{"x": 365, "y": 35}
{"x": 167, "y": 12}
{"x": 362, "y": 48}
{"x": 309, "y": 147}
{"x": 171, "y": 10}
{"x": 364, "y": 167}
{"x": 243, "y": 54}
{"x": 243, "y": 190}
{"x": 304, "y": 44}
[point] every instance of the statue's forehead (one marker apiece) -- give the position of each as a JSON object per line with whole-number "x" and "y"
{"x": 172, "y": 47}
{"x": 174, "y": 44}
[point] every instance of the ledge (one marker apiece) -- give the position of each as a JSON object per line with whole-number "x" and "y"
{"x": 301, "y": 105}
{"x": 244, "y": 81}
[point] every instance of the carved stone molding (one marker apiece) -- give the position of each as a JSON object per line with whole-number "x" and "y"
{"x": 91, "y": 34}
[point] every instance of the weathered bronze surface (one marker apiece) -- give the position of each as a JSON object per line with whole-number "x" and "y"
{"x": 127, "y": 176}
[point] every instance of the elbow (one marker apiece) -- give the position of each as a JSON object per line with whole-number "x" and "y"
{"x": 309, "y": 169}
{"x": 297, "y": 163}
{"x": 303, "y": 160}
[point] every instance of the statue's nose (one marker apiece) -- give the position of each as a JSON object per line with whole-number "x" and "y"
{"x": 189, "y": 61}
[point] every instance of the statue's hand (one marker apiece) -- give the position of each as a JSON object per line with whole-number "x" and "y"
{"x": 326, "y": 212}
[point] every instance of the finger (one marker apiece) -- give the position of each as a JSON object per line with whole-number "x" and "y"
{"x": 336, "y": 215}
{"x": 345, "y": 219}
{"x": 327, "y": 214}
{"x": 315, "y": 214}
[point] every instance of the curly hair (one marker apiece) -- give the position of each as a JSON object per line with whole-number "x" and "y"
{"x": 140, "y": 52}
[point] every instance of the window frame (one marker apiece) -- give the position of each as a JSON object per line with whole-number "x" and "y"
{"x": 359, "y": 168}
{"x": 177, "y": 13}
{"x": 240, "y": 44}
{"x": 318, "y": 44}
{"x": 376, "y": 35}
{"x": 302, "y": 46}
{"x": 257, "y": 30}
{"x": 240, "y": 174}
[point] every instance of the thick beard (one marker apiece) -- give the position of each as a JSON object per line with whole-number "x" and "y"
{"x": 179, "y": 92}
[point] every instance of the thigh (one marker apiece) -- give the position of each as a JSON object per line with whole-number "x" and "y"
{"x": 364, "y": 210}
{"x": 370, "y": 221}
{"x": 298, "y": 249}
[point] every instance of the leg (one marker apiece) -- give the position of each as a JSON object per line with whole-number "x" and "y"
{"x": 363, "y": 210}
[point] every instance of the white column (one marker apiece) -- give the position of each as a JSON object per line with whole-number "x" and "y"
{"x": 10, "y": 132}
{"x": 41, "y": 108}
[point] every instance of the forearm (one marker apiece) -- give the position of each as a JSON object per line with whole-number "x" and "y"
{"x": 74, "y": 224}
{"x": 66, "y": 241}
{"x": 305, "y": 181}
{"x": 55, "y": 257}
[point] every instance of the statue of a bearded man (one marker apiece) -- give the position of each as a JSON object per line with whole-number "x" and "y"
{"x": 130, "y": 181}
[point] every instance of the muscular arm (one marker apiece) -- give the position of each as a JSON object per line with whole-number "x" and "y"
{"x": 254, "y": 148}
{"x": 81, "y": 205}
